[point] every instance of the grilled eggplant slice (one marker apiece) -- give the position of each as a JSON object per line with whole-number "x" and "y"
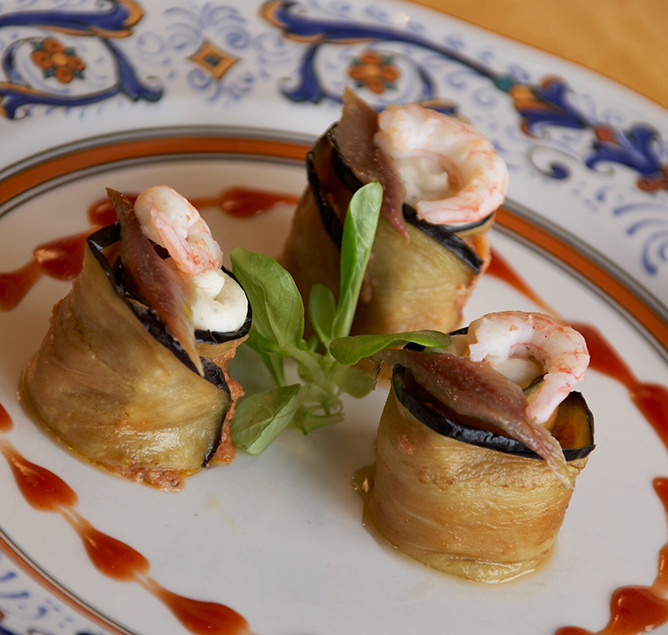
{"x": 113, "y": 384}
{"x": 464, "y": 499}
{"x": 419, "y": 276}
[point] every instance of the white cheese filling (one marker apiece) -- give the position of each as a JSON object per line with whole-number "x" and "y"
{"x": 220, "y": 303}
{"x": 424, "y": 179}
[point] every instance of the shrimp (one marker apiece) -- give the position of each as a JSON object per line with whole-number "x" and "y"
{"x": 171, "y": 221}
{"x": 542, "y": 345}
{"x": 559, "y": 349}
{"x": 477, "y": 177}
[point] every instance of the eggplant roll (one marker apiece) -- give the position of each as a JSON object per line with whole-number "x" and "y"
{"x": 112, "y": 383}
{"x": 421, "y": 272}
{"x": 464, "y": 499}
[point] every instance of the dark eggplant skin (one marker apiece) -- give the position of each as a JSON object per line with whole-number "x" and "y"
{"x": 449, "y": 427}
{"x": 326, "y": 151}
{"x": 463, "y": 500}
{"x": 321, "y": 152}
{"x": 105, "y": 238}
{"x": 111, "y": 383}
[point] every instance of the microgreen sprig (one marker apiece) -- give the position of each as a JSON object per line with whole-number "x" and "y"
{"x": 326, "y": 372}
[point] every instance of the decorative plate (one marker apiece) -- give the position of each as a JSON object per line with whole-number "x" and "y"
{"x": 209, "y": 95}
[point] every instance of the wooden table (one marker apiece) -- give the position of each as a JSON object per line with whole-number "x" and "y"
{"x": 625, "y": 40}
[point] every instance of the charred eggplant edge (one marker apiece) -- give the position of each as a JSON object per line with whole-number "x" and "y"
{"x": 452, "y": 429}
{"x": 106, "y": 237}
{"x": 334, "y": 227}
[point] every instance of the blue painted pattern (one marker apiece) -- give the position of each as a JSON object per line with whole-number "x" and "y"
{"x": 74, "y": 55}
{"x": 27, "y": 609}
{"x": 539, "y": 106}
{"x": 62, "y": 65}
{"x": 545, "y": 109}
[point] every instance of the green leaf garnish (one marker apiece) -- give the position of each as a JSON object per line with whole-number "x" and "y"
{"x": 359, "y": 232}
{"x": 325, "y": 370}
{"x": 278, "y": 310}
{"x": 350, "y": 350}
{"x": 322, "y": 309}
{"x": 354, "y": 381}
{"x": 270, "y": 355}
{"x": 260, "y": 417}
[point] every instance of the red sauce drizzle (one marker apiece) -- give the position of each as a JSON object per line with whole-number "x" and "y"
{"x": 40, "y": 487}
{"x": 62, "y": 258}
{"x": 637, "y": 609}
{"x": 203, "y": 618}
{"x": 15, "y": 284}
{"x": 661, "y": 583}
{"x": 633, "y": 609}
{"x": 499, "y": 268}
{"x": 102, "y": 211}
{"x": 6, "y": 423}
{"x": 244, "y": 202}
{"x": 650, "y": 399}
{"x": 110, "y": 556}
{"x": 47, "y": 492}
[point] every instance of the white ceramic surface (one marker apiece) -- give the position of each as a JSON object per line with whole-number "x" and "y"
{"x": 279, "y": 538}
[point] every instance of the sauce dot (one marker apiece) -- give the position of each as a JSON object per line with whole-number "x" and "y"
{"x": 110, "y": 556}
{"x": 14, "y": 285}
{"x": 62, "y": 258}
{"x": 6, "y": 423}
{"x": 244, "y": 202}
{"x": 40, "y": 487}
{"x": 203, "y": 618}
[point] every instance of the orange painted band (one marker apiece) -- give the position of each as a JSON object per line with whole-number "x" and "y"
{"x": 65, "y": 164}
{"x": 588, "y": 269}
{"x": 113, "y": 152}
